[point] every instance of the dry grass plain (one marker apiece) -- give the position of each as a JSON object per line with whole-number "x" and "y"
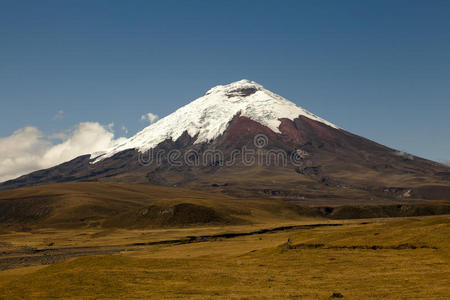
{"x": 403, "y": 258}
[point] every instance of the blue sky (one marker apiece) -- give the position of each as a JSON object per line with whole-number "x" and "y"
{"x": 380, "y": 69}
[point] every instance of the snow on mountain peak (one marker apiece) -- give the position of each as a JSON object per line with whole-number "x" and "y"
{"x": 208, "y": 117}
{"x": 234, "y": 88}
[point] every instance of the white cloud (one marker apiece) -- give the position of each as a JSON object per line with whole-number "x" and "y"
{"x": 19, "y": 152}
{"x": 59, "y": 115}
{"x": 149, "y": 117}
{"x": 28, "y": 150}
{"x": 125, "y": 129}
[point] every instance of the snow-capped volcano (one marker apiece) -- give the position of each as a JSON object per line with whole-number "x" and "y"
{"x": 304, "y": 157}
{"x": 208, "y": 117}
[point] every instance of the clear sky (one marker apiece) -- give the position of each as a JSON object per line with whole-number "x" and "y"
{"x": 380, "y": 69}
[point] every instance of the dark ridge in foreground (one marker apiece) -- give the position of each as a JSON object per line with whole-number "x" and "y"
{"x": 114, "y": 205}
